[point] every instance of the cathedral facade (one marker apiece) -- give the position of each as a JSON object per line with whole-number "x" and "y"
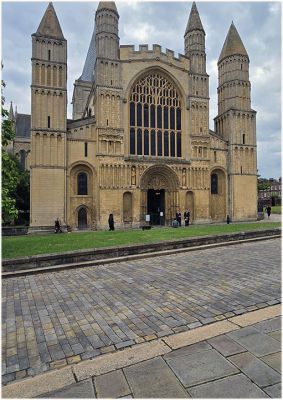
{"x": 139, "y": 144}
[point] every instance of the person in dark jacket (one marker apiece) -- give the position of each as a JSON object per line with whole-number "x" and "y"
{"x": 179, "y": 218}
{"x": 111, "y": 222}
{"x": 187, "y": 216}
{"x": 268, "y": 211}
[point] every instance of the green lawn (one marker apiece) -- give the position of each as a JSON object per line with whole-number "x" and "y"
{"x": 276, "y": 210}
{"x": 18, "y": 246}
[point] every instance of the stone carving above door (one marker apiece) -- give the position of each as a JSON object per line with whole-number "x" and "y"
{"x": 156, "y": 183}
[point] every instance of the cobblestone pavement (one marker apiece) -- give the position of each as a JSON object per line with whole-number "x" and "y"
{"x": 54, "y": 319}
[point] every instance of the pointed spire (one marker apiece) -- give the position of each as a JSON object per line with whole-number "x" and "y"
{"x": 107, "y": 5}
{"x": 11, "y": 113}
{"x": 233, "y": 44}
{"x": 87, "y": 74}
{"x": 194, "y": 22}
{"x": 49, "y": 25}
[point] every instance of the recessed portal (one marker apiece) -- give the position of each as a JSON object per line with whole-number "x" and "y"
{"x": 155, "y": 206}
{"x": 82, "y": 218}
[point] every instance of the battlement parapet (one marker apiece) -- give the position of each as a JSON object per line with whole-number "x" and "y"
{"x": 129, "y": 53}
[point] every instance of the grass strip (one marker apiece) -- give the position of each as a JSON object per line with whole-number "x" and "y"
{"x": 19, "y": 246}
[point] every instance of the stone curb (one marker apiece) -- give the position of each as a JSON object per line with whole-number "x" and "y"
{"x": 54, "y": 380}
{"x": 220, "y": 241}
{"x": 199, "y": 334}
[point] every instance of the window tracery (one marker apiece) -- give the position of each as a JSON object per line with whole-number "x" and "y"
{"x": 155, "y": 118}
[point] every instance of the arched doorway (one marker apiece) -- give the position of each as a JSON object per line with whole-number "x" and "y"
{"x": 160, "y": 197}
{"x": 82, "y": 218}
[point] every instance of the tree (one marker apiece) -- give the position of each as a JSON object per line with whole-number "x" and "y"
{"x": 10, "y": 174}
{"x": 22, "y": 193}
{"x": 263, "y": 184}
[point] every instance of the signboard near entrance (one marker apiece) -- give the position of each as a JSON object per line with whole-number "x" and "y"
{"x": 147, "y": 218}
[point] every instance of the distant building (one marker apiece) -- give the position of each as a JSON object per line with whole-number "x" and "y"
{"x": 21, "y": 144}
{"x": 272, "y": 194}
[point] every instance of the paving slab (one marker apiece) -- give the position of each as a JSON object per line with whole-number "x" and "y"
{"x": 236, "y": 387}
{"x": 123, "y": 358}
{"x": 184, "y": 351}
{"x": 259, "y": 372}
{"x": 111, "y": 385}
{"x": 154, "y": 379}
{"x": 199, "y": 334}
{"x": 273, "y": 360}
{"x": 269, "y": 325}
{"x": 226, "y": 346}
{"x": 39, "y": 384}
{"x": 254, "y": 341}
{"x": 256, "y": 316}
{"x": 274, "y": 391}
{"x": 275, "y": 335}
{"x": 80, "y": 390}
{"x": 201, "y": 367}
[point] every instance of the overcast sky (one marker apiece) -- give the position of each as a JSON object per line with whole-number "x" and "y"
{"x": 164, "y": 23}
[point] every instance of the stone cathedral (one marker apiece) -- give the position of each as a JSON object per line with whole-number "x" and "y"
{"x": 139, "y": 144}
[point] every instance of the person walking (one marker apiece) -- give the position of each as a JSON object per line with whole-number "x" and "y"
{"x": 187, "y": 216}
{"x": 111, "y": 222}
{"x": 268, "y": 211}
{"x": 179, "y": 218}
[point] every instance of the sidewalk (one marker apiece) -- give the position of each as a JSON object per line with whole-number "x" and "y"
{"x": 272, "y": 218}
{"x": 238, "y": 357}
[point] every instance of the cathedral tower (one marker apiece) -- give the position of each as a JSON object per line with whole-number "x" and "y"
{"x": 108, "y": 90}
{"x": 198, "y": 95}
{"x": 48, "y": 122}
{"x": 236, "y": 123}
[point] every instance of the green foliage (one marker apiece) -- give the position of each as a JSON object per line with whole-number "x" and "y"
{"x": 263, "y": 184}
{"x": 22, "y": 192}
{"x": 276, "y": 210}
{"x": 10, "y": 173}
{"x": 42, "y": 244}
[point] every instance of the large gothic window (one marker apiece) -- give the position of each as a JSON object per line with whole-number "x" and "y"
{"x": 155, "y": 118}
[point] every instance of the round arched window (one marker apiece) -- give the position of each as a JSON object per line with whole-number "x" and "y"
{"x": 155, "y": 118}
{"x": 214, "y": 184}
{"x": 82, "y": 183}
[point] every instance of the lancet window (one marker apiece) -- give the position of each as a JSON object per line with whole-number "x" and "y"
{"x": 155, "y": 118}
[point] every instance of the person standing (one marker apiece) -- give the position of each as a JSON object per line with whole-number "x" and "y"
{"x": 268, "y": 211}
{"x": 111, "y": 222}
{"x": 179, "y": 218}
{"x": 187, "y": 215}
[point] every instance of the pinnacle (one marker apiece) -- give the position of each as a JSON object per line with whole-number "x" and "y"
{"x": 107, "y": 5}
{"x": 194, "y": 22}
{"x": 233, "y": 44}
{"x": 11, "y": 112}
{"x": 49, "y": 25}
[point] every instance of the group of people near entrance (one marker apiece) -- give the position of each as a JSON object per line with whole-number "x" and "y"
{"x": 175, "y": 223}
{"x": 178, "y": 219}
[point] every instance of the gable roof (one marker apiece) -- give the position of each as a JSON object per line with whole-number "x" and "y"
{"x": 88, "y": 69}
{"x": 23, "y": 125}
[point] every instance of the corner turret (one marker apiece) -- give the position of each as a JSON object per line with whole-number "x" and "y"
{"x": 195, "y": 42}
{"x": 106, "y": 22}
